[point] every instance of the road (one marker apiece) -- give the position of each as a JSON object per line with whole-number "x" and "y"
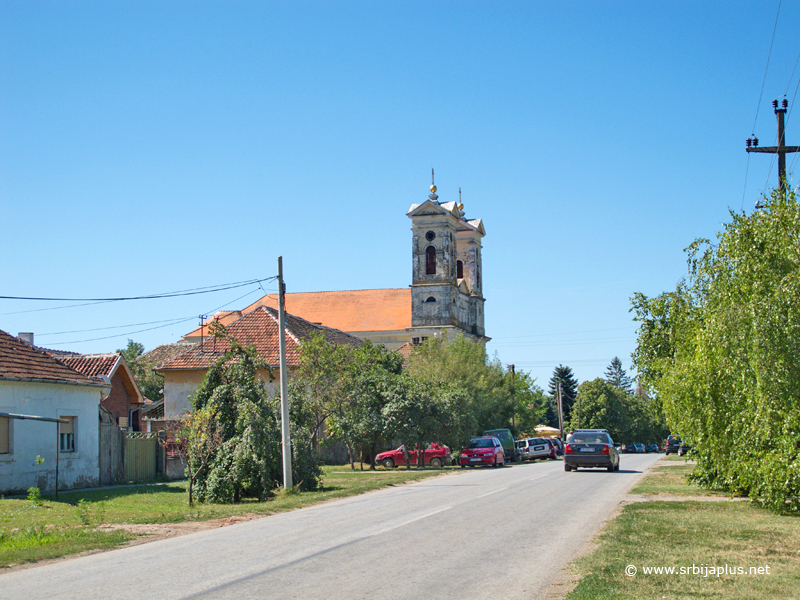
{"x": 480, "y": 533}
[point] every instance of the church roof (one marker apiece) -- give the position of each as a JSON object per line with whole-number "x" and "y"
{"x": 259, "y": 328}
{"x": 350, "y": 310}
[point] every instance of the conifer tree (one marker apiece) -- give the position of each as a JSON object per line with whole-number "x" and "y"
{"x": 616, "y": 376}
{"x": 569, "y": 390}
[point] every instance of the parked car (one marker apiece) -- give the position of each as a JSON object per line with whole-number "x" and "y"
{"x": 533, "y": 448}
{"x": 639, "y": 448}
{"x": 630, "y": 449}
{"x": 652, "y": 448}
{"x": 436, "y": 455}
{"x": 507, "y": 439}
{"x": 559, "y": 445}
{"x": 482, "y": 451}
{"x": 591, "y": 448}
{"x": 684, "y": 448}
{"x": 673, "y": 444}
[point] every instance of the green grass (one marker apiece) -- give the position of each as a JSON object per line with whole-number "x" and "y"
{"x": 692, "y": 535}
{"x": 68, "y": 525}
{"x": 671, "y": 480}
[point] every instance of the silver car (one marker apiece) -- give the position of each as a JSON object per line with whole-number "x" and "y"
{"x": 533, "y": 448}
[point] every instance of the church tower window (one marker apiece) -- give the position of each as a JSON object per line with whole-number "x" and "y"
{"x": 459, "y": 269}
{"x": 430, "y": 260}
{"x": 430, "y": 299}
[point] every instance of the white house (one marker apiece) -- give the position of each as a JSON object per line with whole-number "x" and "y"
{"x": 34, "y": 384}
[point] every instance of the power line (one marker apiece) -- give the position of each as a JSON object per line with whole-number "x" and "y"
{"x": 168, "y": 322}
{"x": 189, "y": 292}
{"x": 766, "y": 68}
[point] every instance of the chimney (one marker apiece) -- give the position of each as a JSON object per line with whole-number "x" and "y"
{"x": 26, "y": 336}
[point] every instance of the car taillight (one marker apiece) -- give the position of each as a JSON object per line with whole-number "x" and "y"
{"x": 605, "y": 449}
{"x": 568, "y": 449}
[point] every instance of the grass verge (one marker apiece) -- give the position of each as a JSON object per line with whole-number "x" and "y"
{"x": 704, "y": 542}
{"x": 68, "y": 525}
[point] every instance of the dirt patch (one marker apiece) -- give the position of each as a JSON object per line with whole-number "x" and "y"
{"x": 157, "y": 531}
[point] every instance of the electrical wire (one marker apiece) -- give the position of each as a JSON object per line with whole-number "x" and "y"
{"x": 169, "y": 323}
{"x": 189, "y": 292}
{"x": 766, "y": 68}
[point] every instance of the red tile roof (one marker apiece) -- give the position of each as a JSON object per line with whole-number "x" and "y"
{"x": 91, "y": 365}
{"x": 22, "y": 362}
{"x": 259, "y": 328}
{"x": 351, "y": 311}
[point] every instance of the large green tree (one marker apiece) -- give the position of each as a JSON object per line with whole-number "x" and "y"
{"x": 722, "y": 354}
{"x": 616, "y": 375}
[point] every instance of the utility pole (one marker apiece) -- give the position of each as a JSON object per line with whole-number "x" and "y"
{"x": 514, "y": 413}
{"x": 287, "y": 440}
{"x": 781, "y": 149}
{"x": 560, "y": 414}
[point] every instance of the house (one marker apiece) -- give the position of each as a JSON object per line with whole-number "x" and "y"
{"x": 183, "y": 374}
{"x": 445, "y": 298}
{"x": 125, "y": 400}
{"x": 35, "y": 384}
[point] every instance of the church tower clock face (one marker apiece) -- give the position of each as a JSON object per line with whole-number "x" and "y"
{"x": 430, "y": 236}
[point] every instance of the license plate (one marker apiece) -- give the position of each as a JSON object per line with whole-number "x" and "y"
{"x": 474, "y": 459}
{"x": 587, "y": 449}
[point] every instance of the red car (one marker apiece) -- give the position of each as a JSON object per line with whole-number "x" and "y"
{"x": 436, "y": 455}
{"x": 482, "y": 451}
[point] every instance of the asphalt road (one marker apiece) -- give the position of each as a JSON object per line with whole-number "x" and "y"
{"x": 480, "y": 533}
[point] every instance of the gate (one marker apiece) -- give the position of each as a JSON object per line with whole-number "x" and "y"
{"x": 141, "y": 455}
{"x": 111, "y": 451}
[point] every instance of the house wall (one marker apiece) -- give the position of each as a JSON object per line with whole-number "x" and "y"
{"x": 118, "y": 401}
{"x": 18, "y": 468}
{"x": 179, "y": 385}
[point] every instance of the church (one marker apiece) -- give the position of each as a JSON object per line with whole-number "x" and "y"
{"x": 445, "y": 298}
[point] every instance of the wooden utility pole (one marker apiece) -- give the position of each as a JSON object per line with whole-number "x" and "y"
{"x": 781, "y": 149}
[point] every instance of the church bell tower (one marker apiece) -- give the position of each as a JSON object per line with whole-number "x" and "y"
{"x": 446, "y": 284}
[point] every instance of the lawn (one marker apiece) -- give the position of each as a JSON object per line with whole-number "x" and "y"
{"x": 705, "y": 541}
{"x": 69, "y": 524}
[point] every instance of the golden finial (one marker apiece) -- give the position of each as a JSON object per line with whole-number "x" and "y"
{"x": 460, "y": 205}
{"x": 433, "y": 186}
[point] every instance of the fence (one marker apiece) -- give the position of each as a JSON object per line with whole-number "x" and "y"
{"x": 129, "y": 455}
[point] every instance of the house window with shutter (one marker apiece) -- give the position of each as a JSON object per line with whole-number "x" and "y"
{"x": 430, "y": 261}
{"x": 5, "y": 440}
{"x": 66, "y": 434}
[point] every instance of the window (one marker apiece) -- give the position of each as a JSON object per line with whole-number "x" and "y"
{"x": 415, "y": 340}
{"x": 5, "y": 445}
{"x": 430, "y": 299}
{"x": 459, "y": 269}
{"x": 430, "y": 260}
{"x": 66, "y": 434}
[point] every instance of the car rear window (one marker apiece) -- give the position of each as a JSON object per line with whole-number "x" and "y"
{"x": 480, "y": 443}
{"x": 589, "y": 438}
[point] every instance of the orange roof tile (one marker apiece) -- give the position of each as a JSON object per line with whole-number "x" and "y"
{"x": 258, "y": 328}
{"x": 351, "y": 310}
{"x": 21, "y": 361}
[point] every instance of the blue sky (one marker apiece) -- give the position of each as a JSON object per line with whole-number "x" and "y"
{"x": 148, "y": 147}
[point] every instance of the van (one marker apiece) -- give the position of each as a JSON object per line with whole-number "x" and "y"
{"x": 505, "y": 437}
{"x": 534, "y": 448}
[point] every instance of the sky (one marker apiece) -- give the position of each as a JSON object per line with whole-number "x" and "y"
{"x": 152, "y": 147}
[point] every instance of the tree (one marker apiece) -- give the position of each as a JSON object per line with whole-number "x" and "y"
{"x": 601, "y": 405}
{"x": 465, "y": 364}
{"x": 569, "y": 389}
{"x": 616, "y": 376}
{"x": 150, "y": 383}
{"x": 722, "y": 354}
{"x": 530, "y": 402}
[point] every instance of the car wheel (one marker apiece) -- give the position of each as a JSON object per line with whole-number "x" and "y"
{"x": 610, "y": 468}
{"x": 617, "y": 467}
{"x": 388, "y": 463}
{"x": 567, "y": 467}
{"x": 436, "y": 463}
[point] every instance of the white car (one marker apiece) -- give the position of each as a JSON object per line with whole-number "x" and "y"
{"x": 533, "y": 448}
